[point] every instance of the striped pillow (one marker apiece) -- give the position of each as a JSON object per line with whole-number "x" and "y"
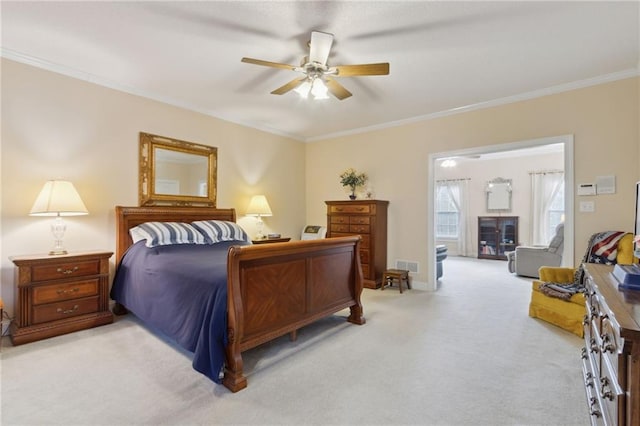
{"x": 166, "y": 233}
{"x": 215, "y": 231}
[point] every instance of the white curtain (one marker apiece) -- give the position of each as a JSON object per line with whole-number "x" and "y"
{"x": 544, "y": 187}
{"x": 459, "y": 192}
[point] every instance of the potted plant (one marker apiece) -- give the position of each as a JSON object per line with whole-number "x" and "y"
{"x": 352, "y": 179}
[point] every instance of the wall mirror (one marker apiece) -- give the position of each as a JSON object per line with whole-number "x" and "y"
{"x": 499, "y": 194}
{"x": 176, "y": 173}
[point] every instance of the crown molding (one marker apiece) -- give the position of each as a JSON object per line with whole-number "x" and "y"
{"x": 621, "y": 75}
{"x": 90, "y": 78}
{"x": 80, "y": 75}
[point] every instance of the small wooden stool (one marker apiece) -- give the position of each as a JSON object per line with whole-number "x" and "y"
{"x": 391, "y": 275}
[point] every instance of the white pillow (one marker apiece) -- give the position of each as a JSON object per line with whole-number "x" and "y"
{"x": 215, "y": 231}
{"x": 166, "y": 233}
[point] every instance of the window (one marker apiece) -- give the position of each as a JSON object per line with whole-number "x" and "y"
{"x": 556, "y": 211}
{"x": 447, "y": 214}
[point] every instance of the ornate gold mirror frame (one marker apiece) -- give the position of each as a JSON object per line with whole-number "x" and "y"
{"x": 176, "y": 173}
{"x": 499, "y": 195}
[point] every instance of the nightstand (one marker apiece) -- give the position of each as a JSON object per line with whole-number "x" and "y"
{"x": 60, "y": 294}
{"x": 271, "y": 240}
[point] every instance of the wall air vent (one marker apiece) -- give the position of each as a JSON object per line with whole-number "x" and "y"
{"x": 407, "y": 265}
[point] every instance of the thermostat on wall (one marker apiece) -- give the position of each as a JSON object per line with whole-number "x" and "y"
{"x": 587, "y": 189}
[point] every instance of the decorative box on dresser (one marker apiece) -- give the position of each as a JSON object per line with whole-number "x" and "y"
{"x": 611, "y": 357}
{"x": 60, "y": 294}
{"x": 367, "y": 218}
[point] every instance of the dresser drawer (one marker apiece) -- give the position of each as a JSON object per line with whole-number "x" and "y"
{"x": 610, "y": 342}
{"x": 60, "y": 292}
{"x": 339, "y": 219}
{"x": 357, "y": 208}
{"x": 365, "y": 271}
{"x": 65, "y": 270}
{"x": 365, "y": 239}
{"x": 61, "y": 310}
{"x": 364, "y": 256}
{"x": 360, "y": 220}
{"x": 611, "y": 396}
{"x": 339, "y": 227}
{"x": 359, "y": 229}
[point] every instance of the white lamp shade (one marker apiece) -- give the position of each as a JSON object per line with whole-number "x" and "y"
{"x": 259, "y": 206}
{"x": 58, "y": 198}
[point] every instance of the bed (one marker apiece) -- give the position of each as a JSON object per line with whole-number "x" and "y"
{"x": 261, "y": 291}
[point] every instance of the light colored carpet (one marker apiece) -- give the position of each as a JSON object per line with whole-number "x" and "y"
{"x": 467, "y": 354}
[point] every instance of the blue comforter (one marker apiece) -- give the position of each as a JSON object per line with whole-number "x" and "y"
{"x": 180, "y": 290}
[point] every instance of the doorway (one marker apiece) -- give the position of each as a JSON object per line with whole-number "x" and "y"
{"x": 566, "y": 142}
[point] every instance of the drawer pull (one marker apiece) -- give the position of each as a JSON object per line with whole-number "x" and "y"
{"x": 339, "y": 209}
{"x": 605, "y": 390}
{"x": 67, "y": 271}
{"x": 584, "y": 353}
{"x": 588, "y": 380}
{"x": 607, "y": 345}
{"x": 67, "y": 311}
{"x": 594, "y": 411}
{"x": 594, "y": 346}
{"x": 67, "y": 291}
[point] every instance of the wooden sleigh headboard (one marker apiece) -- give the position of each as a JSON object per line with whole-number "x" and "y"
{"x": 129, "y": 217}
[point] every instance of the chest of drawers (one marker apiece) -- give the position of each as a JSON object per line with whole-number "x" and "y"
{"x": 60, "y": 294}
{"x": 367, "y": 218}
{"x": 611, "y": 356}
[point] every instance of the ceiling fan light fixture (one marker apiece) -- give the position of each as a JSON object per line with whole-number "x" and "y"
{"x": 303, "y": 90}
{"x": 319, "y": 90}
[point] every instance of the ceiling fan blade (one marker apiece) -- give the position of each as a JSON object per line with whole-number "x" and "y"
{"x": 289, "y": 86}
{"x": 362, "y": 69}
{"x": 337, "y": 89}
{"x": 268, "y": 64}
{"x": 320, "y": 46}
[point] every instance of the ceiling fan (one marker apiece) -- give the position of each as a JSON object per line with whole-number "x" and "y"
{"x": 318, "y": 76}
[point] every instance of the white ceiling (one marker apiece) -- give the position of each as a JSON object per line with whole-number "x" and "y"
{"x": 444, "y": 56}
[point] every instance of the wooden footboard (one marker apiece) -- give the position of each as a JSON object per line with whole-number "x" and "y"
{"x": 274, "y": 289}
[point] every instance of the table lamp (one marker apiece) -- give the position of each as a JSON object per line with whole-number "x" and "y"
{"x": 259, "y": 207}
{"x": 58, "y": 198}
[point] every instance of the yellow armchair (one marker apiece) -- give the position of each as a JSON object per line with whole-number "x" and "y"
{"x": 570, "y": 313}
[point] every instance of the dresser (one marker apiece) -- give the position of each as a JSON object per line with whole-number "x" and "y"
{"x": 60, "y": 294}
{"x": 367, "y": 218}
{"x": 611, "y": 356}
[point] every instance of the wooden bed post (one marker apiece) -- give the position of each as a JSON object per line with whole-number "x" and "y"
{"x": 234, "y": 378}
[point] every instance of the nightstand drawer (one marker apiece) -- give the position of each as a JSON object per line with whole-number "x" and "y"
{"x": 60, "y": 292}
{"x": 358, "y": 208}
{"x": 64, "y": 270}
{"x": 61, "y": 310}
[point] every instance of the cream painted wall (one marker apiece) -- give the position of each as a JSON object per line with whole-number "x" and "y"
{"x": 58, "y": 127}
{"x": 603, "y": 119}
{"x": 482, "y": 170}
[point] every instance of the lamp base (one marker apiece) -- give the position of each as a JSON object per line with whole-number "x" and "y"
{"x": 57, "y": 229}
{"x": 57, "y": 252}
